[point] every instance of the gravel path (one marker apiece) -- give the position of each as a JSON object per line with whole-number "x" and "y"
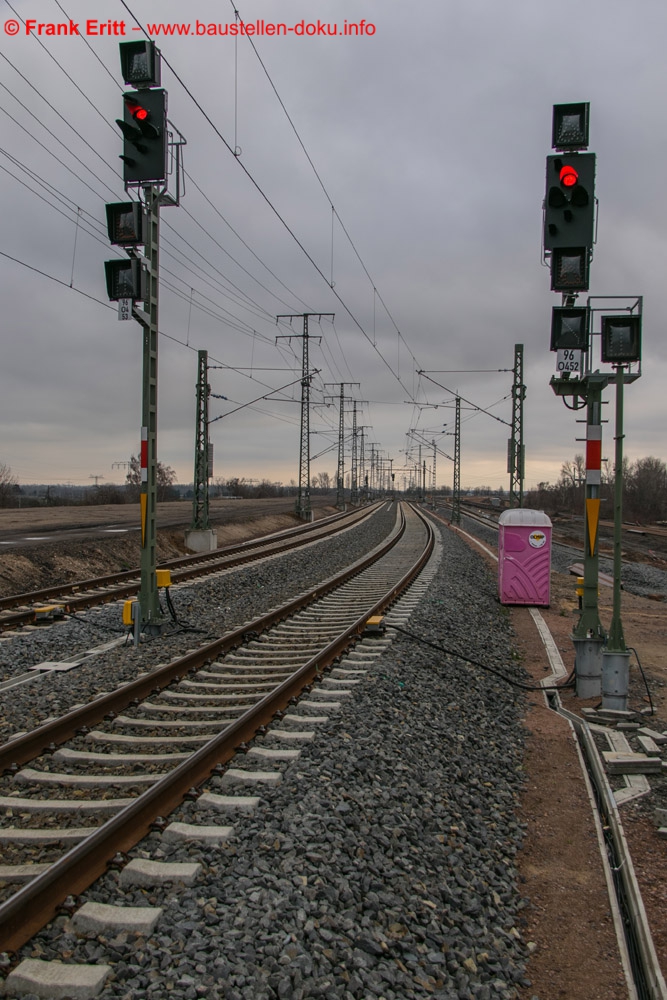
{"x": 382, "y": 865}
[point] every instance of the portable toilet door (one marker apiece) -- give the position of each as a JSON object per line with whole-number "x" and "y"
{"x": 524, "y": 557}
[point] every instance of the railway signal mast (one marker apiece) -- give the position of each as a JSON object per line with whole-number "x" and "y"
{"x": 132, "y": 225}
{"x": 201, "y": 537}
{"x": 570, "y": 223}
{"x": 304, "y": 509}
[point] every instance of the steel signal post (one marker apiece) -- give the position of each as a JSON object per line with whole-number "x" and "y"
{"x": 131, "y": 225}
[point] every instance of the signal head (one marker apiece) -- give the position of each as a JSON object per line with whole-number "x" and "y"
{"x": 569, "y": 205}
{"x": 569, "y": 328}
{"x": 569, "y": 129}
{"x": 569, "y": 269}
{"x": 621, "y": 339}
{"x": 144, "y": 129}
{"x": 140, "y": 63}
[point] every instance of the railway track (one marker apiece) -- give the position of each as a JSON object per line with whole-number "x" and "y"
{"x": 49, "y": 603}
{"x": 642, "y": 543}
{"x": 99, "y": 777}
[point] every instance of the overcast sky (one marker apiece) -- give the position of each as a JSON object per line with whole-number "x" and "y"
{"x": 429, "y": 137}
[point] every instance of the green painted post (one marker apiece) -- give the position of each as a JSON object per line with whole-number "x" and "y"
{"x": 149, "y": 601}
{"x": 200, "y": 521}
{"x": 616, "y": 639}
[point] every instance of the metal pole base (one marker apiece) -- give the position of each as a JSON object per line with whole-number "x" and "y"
{"x": 588, "y": 667}
{"x": 615, "y": 680}
{"x": 153, "y": 627}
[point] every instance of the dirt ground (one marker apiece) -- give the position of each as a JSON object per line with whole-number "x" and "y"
{"x": 568, "y": 917}
{"x": 30, "y": 567}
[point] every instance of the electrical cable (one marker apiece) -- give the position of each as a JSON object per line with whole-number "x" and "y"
{"x": 36, "y": 270}
{"x": 64, "y": 145}
{"x": 327, "y": 195}
{"x": 100, "y": 236}
{"x": 631, "y": 649}
{"x": 99, "y": 113}
{"x": 72, "y": 615}
{"x": 483, "y": 666}
{"x": 60, "y": 211}
{"x": 265, "y": 313}
{"x": 55, "y": 110}
{"x": 232, "y": 325}
{"x": 183, "y": 626}
{"x": 238, "y": 236}
{"x": 469, "y": 402}
{"x": 75, "y": 85}
{"x": 273, "y": 208}
{"x": 238, "y": 264}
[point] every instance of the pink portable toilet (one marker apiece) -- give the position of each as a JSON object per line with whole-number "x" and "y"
{"x": 524, "y": 557}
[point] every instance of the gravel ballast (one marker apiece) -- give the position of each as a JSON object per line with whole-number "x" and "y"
{"x": 211, "y": 607}
{"x": 382, "y": 865}
{"x": 636, "y": 578}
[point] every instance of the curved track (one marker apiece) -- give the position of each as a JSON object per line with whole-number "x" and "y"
{"x": 214, "y": 699}
{"x": 84, "y": 594}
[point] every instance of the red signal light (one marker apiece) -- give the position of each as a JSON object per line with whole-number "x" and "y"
{"x": 136, "y": 110}
{"x": 568, "y": 176}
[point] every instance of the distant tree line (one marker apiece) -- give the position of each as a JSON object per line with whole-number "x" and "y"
{"x": 11, "y": 494}
{"x": 644, "y": 490}
{"x": 248, "y": 489}
{"x": 9, "y": 487}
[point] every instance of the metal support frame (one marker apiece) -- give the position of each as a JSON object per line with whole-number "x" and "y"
{"x": 153, "y": 195}
{"x": 149, "y": 601}
{"x": 354, "y": 468}
{"x": 374, "y": 468}
{"x": 303, "y": 505}
{"x": 362, "y": 467}
{"x": 340, "y": 469}
{"x": 589, "y": 625}
{"x": 589, "y": 635}
{"x": 456, "y": 491}
{"x": 616, "y": 639}
{"x": 515, "y": 450}
{"x": 303, "y": 508}
{"x": 200, "y": 520}
{"x": 615, "y": 656}
{"x": 593, "y": 662}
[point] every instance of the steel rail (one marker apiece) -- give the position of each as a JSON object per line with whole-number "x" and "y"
{"x": 647, "y": 974}
{"x": 49, "y": 735}
{"x": 36, "y": 903}
{"x": 192, "y": 566}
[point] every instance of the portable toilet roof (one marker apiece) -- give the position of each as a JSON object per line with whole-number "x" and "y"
{"x": 525, "y": 516}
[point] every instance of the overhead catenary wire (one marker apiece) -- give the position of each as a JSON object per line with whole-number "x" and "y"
{"x": 100, "y": 181}
{"x": 97, "y": 110}
{"x": 58, "y": 140}
{"x": 270, "y": 204}
{"x": 480, "y": 408}
{"x": 75, "y": 217}
{"x": 85, "y": 166}
{"x": 162, "y": 333}
{"x": 95, "y": 230}
{"x": 53, "y": 108}
{"x": 334, "y": 213}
